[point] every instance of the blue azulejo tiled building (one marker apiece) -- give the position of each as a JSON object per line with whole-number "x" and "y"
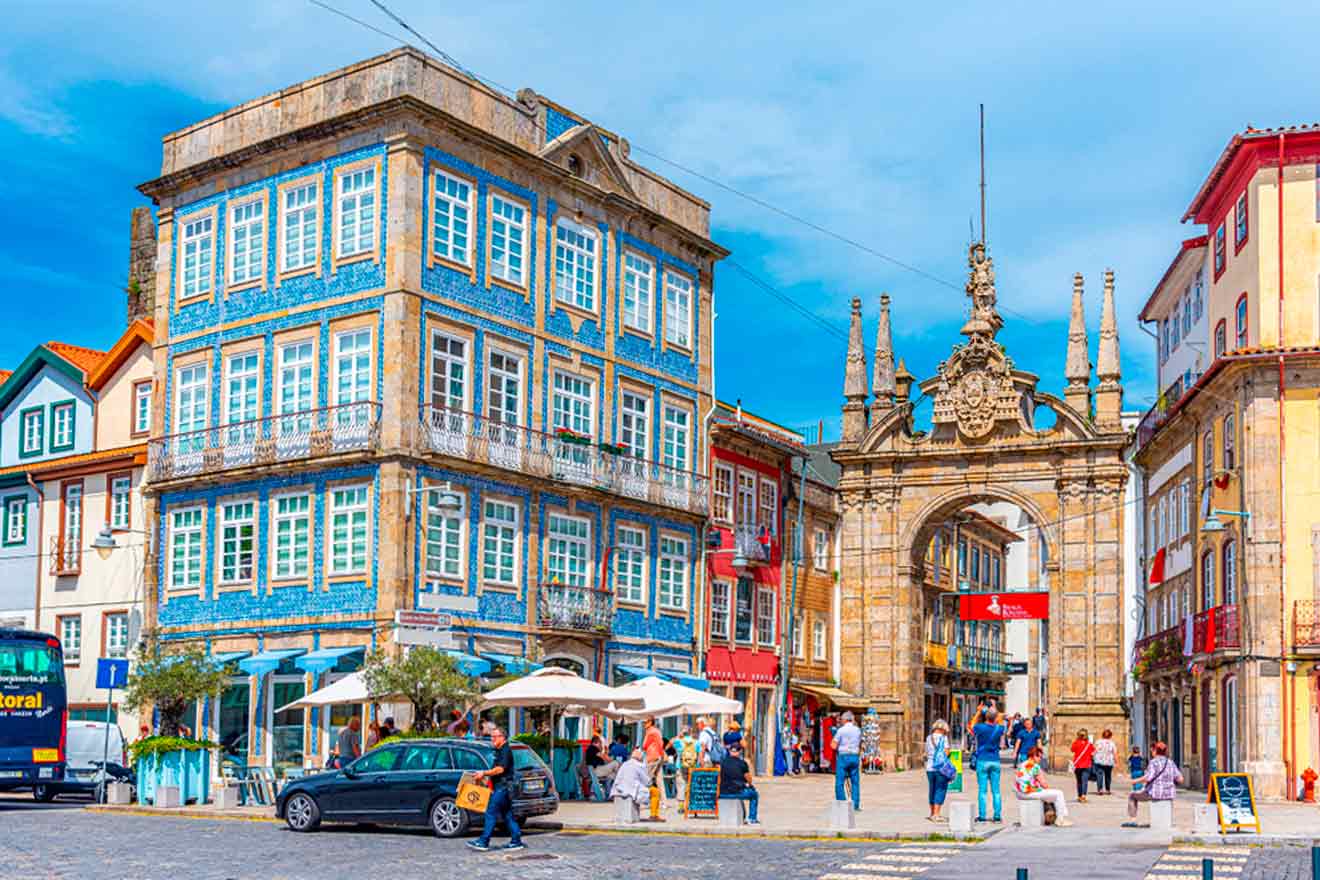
{"x": 417, "y": 340}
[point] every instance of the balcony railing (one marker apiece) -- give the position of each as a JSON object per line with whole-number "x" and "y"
{"x": 1157, "y": 414}
{"x": 1216, "y": 629}
{"x": 315, "y": 433}
{"x": 575, "y": 609}
{"x": 1161, "y": 650}
{"x": 985, "y": 660}
{"x": 475, "y": 438}
{"x": 65, "y": 555}
{"x": 754, "y": 543}
{"x": 1306, "y": 623}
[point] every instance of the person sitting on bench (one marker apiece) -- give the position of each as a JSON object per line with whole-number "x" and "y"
{"x": 736, "y": 781}
{"x": 1161, "y": 777}
{"x": 1030, "y": 786}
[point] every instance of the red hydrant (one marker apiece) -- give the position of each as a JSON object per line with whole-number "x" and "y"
{"x": 1309, "y": 777}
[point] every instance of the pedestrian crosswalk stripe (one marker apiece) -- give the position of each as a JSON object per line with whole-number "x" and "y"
{"x": 1220, "y": 868}
{"x": 904, "y": 857}
{"x": 864, "y": 877}
{"x": 1227, "y": 856}
{"x": 878, "y": 866}
{"x": 1212, "y": 850}
{"x": 1218, "y": 860}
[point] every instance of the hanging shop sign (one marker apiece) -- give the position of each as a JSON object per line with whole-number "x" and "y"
{"x": 1004, "y": 606}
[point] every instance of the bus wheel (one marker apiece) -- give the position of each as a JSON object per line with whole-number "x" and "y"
{"x": 43, "y": 793}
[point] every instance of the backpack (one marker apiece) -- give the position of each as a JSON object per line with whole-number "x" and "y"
{"x": 716, "y": 749}
{"x": 687, "y": 758}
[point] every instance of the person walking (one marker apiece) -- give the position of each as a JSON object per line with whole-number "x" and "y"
{"x": 1026, "y": 740}
{"x": 500, "y": 806}
{"x": 1083, "y": 754}
{"x": 1106, "y": 754}
{"x": 847, "y": 745}
{"x": 987, "y": 734}
{"x": 1136, "y": 768}
{"x": 1162, "y": 775}
{"x": 937, "y": 756}
{"x": 1031, "y": 785}
{"x": 688, "y": 752}
{"x": 653, "y": 744}
{"x": 350, "y": 742}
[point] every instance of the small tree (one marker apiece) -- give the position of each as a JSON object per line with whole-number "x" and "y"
{"x": 424, "y": 676}
{"x": 173, "y": 681}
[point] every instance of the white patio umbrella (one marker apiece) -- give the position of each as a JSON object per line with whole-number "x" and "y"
{"x": 553, "y": 686}
{"x": 663, "y": 699}
{"x": 352, "y": 688}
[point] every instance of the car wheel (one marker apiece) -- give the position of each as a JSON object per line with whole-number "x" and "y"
{"x": 448, "y": 819}
{"x": 43, "y": 793}
{"x": 301, "y": 812}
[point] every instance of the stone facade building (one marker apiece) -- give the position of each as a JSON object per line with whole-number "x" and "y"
{"x": 1227, "y": 659}
{"x": 415, "y": 340}
{"x": 900, "y": 486}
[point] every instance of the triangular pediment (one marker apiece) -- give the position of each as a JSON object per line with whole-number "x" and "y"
{"x": 582, "y": 151}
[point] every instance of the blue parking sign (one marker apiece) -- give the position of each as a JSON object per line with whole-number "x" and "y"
{"x": 111, "y": 674}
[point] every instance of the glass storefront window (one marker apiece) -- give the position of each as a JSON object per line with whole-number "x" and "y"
{"x": 232, "y": 721}
{"x": 286, "y": 728}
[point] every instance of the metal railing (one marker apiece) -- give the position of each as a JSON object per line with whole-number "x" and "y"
{"x": 574, "y": 608}
{"x": 1216, "y": 629}
{"x": 1306, "y": 623}
{"x": 313, "y": 433}
{"x": 65, "y": 556}
{"x": 986, "y": 660}
{"x": 1168, "y": 645}
{"x": 566, "y": 459}
{"x": 1155, "y": 417}
{"x": 754, "y": 543}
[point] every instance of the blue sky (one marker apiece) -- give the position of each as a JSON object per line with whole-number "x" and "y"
{"x": 1101, "y": 125}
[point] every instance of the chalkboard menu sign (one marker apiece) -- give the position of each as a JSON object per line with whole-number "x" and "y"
{"x": 703, "y": 794}
{"x": 1236, "y": 800}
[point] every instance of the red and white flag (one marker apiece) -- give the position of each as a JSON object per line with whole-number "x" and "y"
{"x": 1157, "y": 568}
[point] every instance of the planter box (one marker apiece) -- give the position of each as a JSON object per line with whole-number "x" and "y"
{"x": 188, "y": 770}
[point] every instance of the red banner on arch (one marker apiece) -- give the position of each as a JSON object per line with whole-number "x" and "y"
{"x": 1004, "y": 606}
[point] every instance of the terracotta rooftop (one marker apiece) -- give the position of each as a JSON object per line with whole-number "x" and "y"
{"x": 36, "y": 468}
{"x": 84, "y": 359}
{"x": 5, "y": 374}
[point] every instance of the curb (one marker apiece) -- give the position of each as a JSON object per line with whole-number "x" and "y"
{"x": 1247, "y": 839}
{"x": 177, "y": 813}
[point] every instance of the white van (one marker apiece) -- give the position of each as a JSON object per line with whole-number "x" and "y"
{"x": 83, "y": 750}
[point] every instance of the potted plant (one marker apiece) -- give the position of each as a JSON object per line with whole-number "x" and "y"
{"x": 172, "y": 681}
{"x": 568, "y": 435}
{"x": 613, "y": 448}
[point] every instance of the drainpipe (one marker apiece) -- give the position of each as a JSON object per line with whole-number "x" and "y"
{"x": 41, "y": 513}
{"x": 1289, "y": 729}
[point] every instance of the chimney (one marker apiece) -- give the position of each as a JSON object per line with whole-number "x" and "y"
{"x": 141, "y": 288}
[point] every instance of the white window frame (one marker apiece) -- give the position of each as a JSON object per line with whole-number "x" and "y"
{"x": 568, "y": 539}
{"x": 16, "y": 520}
{"x": 121, "y": 500}
{"x": 499, "y": 539}
{"x": 561, "y": 390}
{"x": 116, "y": 633}
{"x": 62, "y": 425}
{"x": 508, "y": 240}
{"x": 819, "y": 640}
{"x": 444, "y": 538}
{"x": 192, "y": 380}
{"x": 300, "y": 226}
{"x": 820, "y": 549}
{"x": 673, "y": 573}
{"x": 767, "y": 505}
{"x": 71, "y": 637}
{"x": 638, "y": 292}
{"x": 295, "y": 379}
{"x": 192, "y": 565}
{"x": 346, "y": 560}
{"x": 635, "y": 424}
{"x": 722, "y": 501}
{"x": 630, "y": 564}
{"x": 285, "y": 519}
{"x": 356, "y": 192}
{"x": 32, "y": 427}
{"x": 242, "y": 387}
{"x": 576, "y": 265}
{"x": 678, "y": 309}
{"x": 142, "y": 408}
{"x": 452, "y": 368}
{"x": 452, "y": 198}
{"x": 720, "y": 617}
{"x": 676, "y": 437}
{"x": 761, "y": 619}
{"x": 745, "y": 499}
{"x": 350, "y": 363}
{"x": 504, "y": 371}
{"x": 196, "y": 242}
{"x": 233, "y": 516}
{"x": 247, "y": 242}
{"x": 798, "y": 638}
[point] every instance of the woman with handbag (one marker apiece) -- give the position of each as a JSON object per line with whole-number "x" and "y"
{"x": 1083, "y": 753}
{"x": 939, "y": 769}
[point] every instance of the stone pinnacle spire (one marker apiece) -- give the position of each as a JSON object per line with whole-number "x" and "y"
{"x": 882, "y": 382}
{"x": 1107, "y": 369}
{"x": 1077, "y": 367}
{"x": 854, "y": 381}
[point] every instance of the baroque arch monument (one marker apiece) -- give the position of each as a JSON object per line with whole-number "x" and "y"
{"x": 899, "y": 485}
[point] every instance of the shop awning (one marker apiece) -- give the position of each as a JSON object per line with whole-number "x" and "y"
{"x": 224, "y": 658}
{"x": 268, "y": 661}
{"x": 322, "y": 659}
{"x": 512, "y": 664}
{"x": 469, "y": 664}
{"x": 637, "y": 672}
{"x": 691, "y": 681}
{"x": 833, "y": 695}
{"x": 741, "y": 665}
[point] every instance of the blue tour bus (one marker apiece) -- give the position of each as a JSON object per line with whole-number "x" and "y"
{"x": 34, "y": 712}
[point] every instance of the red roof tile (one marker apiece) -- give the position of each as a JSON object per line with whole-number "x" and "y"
{"x": 84, "y": 359}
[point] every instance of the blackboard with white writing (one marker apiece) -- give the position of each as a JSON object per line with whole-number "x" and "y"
{"x": 1236, "y": 800}
{"x": 703, "y": 796}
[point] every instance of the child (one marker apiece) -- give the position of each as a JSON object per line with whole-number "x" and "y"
{"x": 1136, "y": 769}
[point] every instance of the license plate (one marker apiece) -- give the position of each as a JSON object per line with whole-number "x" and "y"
{"x": 45, "y": 755}
{"x": 534, "y": 786}
{"x": 11, "y": 774}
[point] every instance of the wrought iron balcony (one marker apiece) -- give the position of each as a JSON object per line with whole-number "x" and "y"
{"x": 754, "y": 543}
{"x": 314, "y": 433}
{"x": 576, "y": 609}
{"x": 65, "y": 555}
{"x": 1159, "y": 651}
{"x": 565, "y": 459}
{"x": 1306, "y": 624}
{"x": 1216, "y": 629}
{"x": 984, "y": 660}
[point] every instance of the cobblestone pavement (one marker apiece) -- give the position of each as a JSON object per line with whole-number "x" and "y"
{"x": 64, "y": 841}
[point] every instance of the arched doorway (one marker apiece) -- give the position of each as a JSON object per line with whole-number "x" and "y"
{"x": 902, "y": 484}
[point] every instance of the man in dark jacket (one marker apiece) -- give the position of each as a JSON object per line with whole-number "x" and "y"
{"x": 736, "y": 781}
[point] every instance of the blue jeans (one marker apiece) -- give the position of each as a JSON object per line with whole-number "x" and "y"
{"x": 748, "y": 794}
{"x": 848, "y": 767}
{"x": 500, "y": 807}
{"x": 937, "y": 787}
{"x": 987, "y": 778}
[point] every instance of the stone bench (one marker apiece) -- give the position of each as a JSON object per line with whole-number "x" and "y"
{"x": 732, "y": 812}
{"x": 842, "y": 816}
{"x": 1161, "y": 815}
{"x": 626, "y": 811}
{"x": 960, "y": 816}
{"x": 1031, "y": 814}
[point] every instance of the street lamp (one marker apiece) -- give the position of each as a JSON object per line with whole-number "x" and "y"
{"x": 1213, "y": 524}
{"x": 447, "y": 502}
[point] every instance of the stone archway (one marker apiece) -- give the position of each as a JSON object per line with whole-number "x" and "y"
{"x": 898, "y": 484}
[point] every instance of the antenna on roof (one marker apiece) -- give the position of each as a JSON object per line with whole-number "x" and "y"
{"x": 983, "y": 175}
